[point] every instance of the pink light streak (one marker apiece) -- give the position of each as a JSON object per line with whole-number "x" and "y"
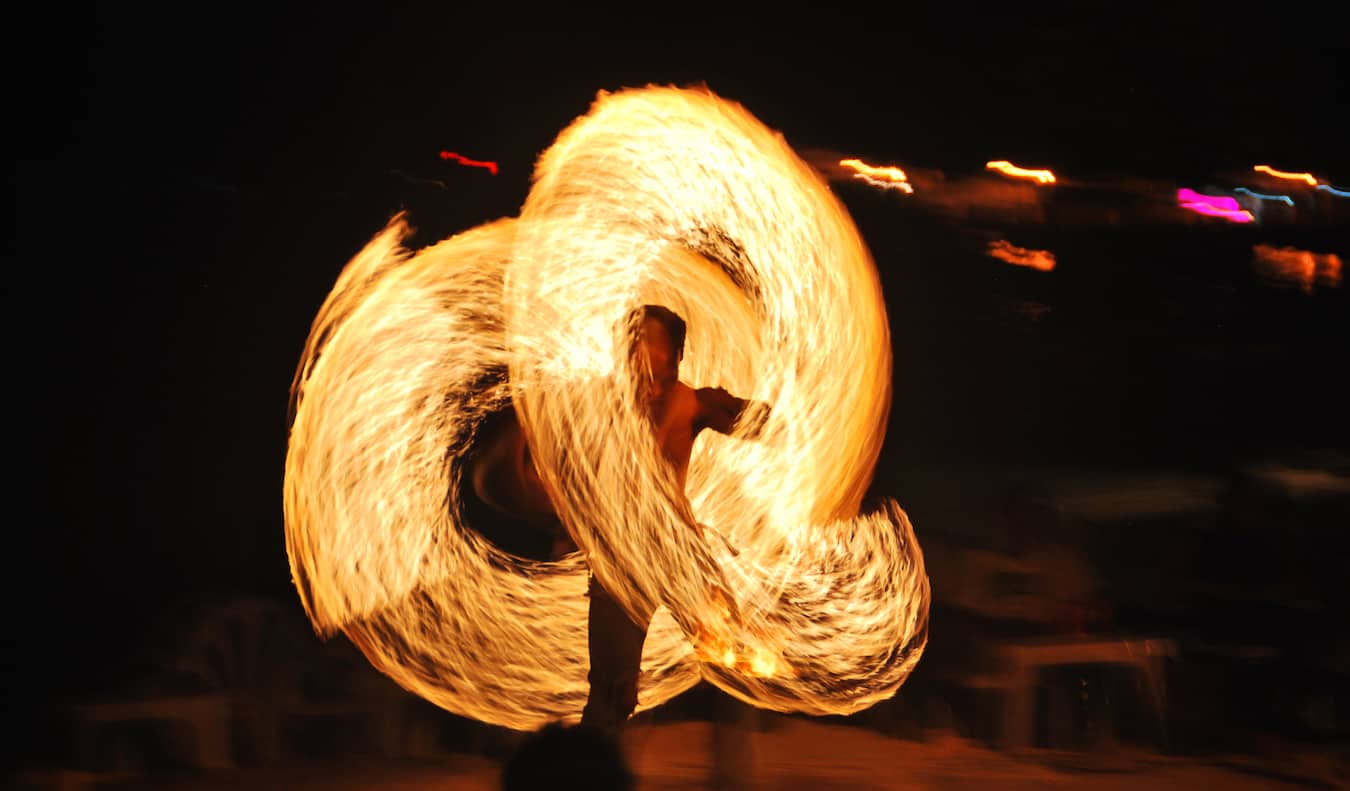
{"x": 1213, "y": 205}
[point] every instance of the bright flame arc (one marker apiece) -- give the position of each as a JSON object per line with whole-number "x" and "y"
{"x": 656, "y": 195}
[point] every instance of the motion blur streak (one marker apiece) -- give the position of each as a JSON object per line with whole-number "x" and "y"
{"x": 1009, "y": 169}
{"x": 1306, "y": 178}
{"x": 1003, "y": 250}
{"x": 885, "y": 177}
{"x": 1301, "y": 268}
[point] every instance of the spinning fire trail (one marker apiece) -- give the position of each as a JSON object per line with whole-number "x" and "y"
{"x": 657, "y": 195}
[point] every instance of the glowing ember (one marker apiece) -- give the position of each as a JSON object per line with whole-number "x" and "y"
{"x": 491, "y": 167}
{"x": 886, "y": 177}
{"x": 656, "y": 195}
{"x": 1298, "y": 267}
{"x": 1223, "y": 206}
{"x": 1043, "y": 260}
{"x": 1306, "y": 178}
{"x": 1009, "y": 169}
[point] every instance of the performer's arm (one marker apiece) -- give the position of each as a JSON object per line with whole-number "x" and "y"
{"x": 723, "y": 412}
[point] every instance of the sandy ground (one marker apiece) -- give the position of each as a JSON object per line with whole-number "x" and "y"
{"x": 794, "y": 754}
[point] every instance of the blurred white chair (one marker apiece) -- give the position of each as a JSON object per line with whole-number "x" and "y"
{"x": 262, "y": 670}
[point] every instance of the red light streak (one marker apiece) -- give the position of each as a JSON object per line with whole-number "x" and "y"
{"x": 473, "y": 163}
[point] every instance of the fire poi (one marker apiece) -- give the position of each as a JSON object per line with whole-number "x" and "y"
{"x": 656, "y": 195}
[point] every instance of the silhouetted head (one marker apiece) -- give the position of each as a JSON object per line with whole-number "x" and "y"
{"x": 657, "y": 338}
{"x": 559, "y": 756}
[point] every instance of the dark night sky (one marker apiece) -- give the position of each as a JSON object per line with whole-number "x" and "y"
{"x": 188, "y": 188}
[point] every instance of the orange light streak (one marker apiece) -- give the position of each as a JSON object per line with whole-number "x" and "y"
{"x": 1301, "y": 268}
{"x": 885, "y": 177}
{"x": 1306, "y": 178}
{"x": 1009, "y": 169}
{"x": 881, "y": 173}
{"x": 1041, "y": 260}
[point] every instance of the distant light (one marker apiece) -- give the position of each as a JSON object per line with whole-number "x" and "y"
{"x": 903, "y": 186}
{"x": 1221, "y": 202}
{"x": 886, "y": 177}
{"x": 1334, "y": 191}
{"x": 473, "y": 163}
{"x": 1306, "y": 178}
{"x": 1302, "y": 268}
{"x": 1285, "y": 199}
{"x": 1213, "y": 205}
{"x": 1009, "y": 169}
{"x": 1003, "y": 250}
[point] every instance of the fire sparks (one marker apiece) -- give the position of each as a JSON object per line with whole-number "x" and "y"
{"x": 491, "y": 167}
{"x": 886, "y": 177}
{"x": 1009, "y": 169}
{"x": 634, "y": 202}
{"x": 1306, "y": 178}
{"x": 1213, "y": 205}
{"x": 1003, "y": 250}
{"x": 1301, "y": 268}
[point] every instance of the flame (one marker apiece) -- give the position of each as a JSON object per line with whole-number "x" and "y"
{"x": 1009, "y": 169}
{"x": 1042, "y": 260}
{"x": 1306, "y": 178}
{"x": 886, "y": 177}
{"x": 655, "y": 195}
{"x": 1299, "y": 267}
{"x": 491, "y": 167}
{"x": 763, "y": 663}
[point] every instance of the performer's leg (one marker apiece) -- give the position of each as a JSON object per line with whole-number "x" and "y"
{"x": 616, "y": 660}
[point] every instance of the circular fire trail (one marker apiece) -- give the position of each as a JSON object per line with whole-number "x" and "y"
{"x": 656, "y": 195}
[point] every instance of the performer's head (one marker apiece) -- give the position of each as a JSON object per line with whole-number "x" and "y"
{"x": 656, "y": 335}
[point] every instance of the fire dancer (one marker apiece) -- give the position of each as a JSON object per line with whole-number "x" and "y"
{"x": 504, "y": 477}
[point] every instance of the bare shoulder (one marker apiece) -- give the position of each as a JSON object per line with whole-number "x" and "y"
{"x": 687, "y": 398}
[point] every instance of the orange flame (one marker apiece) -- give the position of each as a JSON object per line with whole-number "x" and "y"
{"x": 1009, "y": 169}
{"x": 1042, "y": 260}
{"x": 1306, "y": 178}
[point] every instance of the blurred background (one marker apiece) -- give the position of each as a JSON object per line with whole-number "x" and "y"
{"x": 1119, "y": 421}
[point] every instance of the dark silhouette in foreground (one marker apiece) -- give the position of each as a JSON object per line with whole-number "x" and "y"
{"x": 568, "y": 756}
